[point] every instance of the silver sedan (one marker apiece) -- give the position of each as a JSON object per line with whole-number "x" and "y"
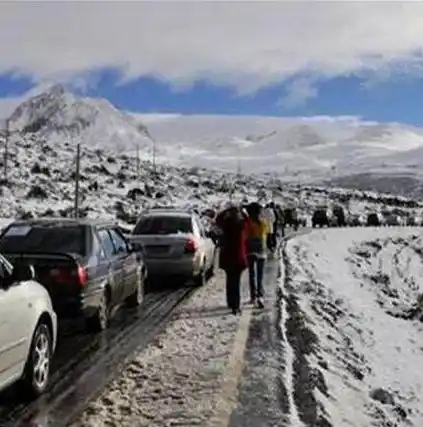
{"x": 175, "y": 244}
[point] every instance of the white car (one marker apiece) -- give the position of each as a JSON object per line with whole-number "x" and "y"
{"x": 28, "y": 329}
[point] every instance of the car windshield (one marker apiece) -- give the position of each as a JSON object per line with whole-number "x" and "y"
{"x": 43, "y": 238}
{"x": 164, "y": 225}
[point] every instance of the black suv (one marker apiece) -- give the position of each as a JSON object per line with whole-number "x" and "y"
{"x": 87, "y": 266}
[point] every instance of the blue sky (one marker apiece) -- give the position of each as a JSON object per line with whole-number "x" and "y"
{"x": 261, "y": 58}
{"x": 393, "y": 100}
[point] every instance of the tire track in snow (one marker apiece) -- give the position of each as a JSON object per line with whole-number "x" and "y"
{"x": 389, "y": 272}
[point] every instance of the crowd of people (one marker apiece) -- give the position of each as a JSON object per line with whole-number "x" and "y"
{"x": 245, "y": 234}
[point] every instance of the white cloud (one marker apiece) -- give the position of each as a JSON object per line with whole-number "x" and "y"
{"x": 299, "y": 92}
{"x": 247, "y": 45}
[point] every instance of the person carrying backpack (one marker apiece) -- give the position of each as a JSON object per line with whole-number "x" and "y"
{"x": 233, "y": 253}
{"x": 257, "y": 230}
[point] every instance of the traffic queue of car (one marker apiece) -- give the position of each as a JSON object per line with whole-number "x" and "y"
{"x": 54, "y": 269}
{"x": 338, "y": 217}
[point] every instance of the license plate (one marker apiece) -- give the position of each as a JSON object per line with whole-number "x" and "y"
{"x": 157, "y": 250}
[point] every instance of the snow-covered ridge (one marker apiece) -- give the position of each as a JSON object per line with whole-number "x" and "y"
{"x": 322, "y": 147}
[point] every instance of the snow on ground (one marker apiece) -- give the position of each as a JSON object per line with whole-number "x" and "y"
{"x": 355, "y": 298}
{"x": 175, "y": 380}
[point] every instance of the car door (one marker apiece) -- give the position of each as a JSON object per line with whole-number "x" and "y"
{"x": 114, "y": 266}
{"x": 15, "y": 331}
{"x": 127, "y": 260}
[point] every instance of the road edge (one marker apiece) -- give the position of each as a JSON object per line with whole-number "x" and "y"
{"x": 228, "y": 397}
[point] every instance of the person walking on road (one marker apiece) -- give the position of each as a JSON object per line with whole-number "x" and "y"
{"x": 233, "y": 253}
{"x": 268, "y": 215}
{"x": 274, "y": 234}
{"x": 280, "y": 219}
{"x": 257, "y": 230}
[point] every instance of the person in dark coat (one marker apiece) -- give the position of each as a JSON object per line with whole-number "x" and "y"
{"x": 233, "y": 253}
{"x": 276, "y": 227}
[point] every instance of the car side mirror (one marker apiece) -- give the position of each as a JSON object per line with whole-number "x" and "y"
{"x": 22, "y": 273}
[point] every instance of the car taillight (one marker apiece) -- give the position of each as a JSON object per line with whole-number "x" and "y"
{"x": 82, "y": 276}
{"x": 191, "y": 246}
{"x": 75, "y": 276}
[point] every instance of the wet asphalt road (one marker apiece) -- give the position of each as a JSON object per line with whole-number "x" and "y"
{"x": 260, "y": 391}
{"x": 84, "y": 363}
{"x": 262, "y": 396}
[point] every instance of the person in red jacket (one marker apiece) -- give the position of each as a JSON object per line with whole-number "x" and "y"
{"x": 233, "y": 253}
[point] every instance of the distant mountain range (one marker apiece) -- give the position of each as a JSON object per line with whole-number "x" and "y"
{"x": 343, "y": 150}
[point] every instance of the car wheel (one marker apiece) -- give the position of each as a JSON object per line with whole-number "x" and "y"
{"x": 210, "y": 271}
{"x": 136, "y": 299}
{"x": 200, "y": 279}
{"x": 37, "y": 370}
{"x": 100, "y": 321}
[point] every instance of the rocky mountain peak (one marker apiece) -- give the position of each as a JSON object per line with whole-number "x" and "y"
{"x": 56, "y": 115}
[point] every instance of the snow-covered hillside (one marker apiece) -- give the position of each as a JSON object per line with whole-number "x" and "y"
{"x": 359, "y": 302}
{"x": 313, "y": 146}
{"x": 41, "y": 182}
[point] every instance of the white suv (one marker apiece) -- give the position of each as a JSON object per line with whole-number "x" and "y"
{"x": 28, "y": 329}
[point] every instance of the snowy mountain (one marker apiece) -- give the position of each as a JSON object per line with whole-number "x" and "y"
{"x": 55, "y": 115}
{"x": 346, "y": 151}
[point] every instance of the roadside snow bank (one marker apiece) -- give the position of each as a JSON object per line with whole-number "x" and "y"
{"x": 175, "y": 380}
{"x": 354, "y": 294}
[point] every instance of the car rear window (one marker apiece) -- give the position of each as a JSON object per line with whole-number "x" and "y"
{"x": 43, "y": 238}
{"x": 163, "y": 225}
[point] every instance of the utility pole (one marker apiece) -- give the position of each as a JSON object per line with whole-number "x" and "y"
{"x": 154, "y": 156}
{"x": 76, "y": 197}
{"x": 231, "y": 190}
{"x": 6, "y": 150}
{"x": 138, "y": 162}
